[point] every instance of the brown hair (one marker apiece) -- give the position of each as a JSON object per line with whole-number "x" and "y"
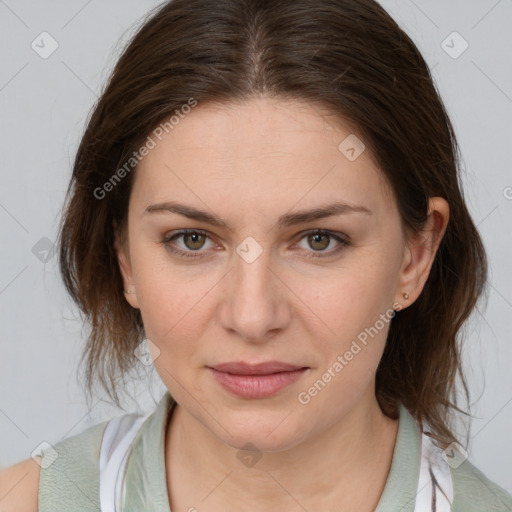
{"x": 347, "y": 55}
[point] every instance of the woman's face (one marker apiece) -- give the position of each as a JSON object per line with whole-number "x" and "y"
{"x": 258, "y": 285}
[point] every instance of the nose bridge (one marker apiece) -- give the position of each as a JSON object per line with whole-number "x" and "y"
{"x": 255, "y": 302}
{"x": 251, "y": 272}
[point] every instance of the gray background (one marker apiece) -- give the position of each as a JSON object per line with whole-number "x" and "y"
{"x": 44, "y": 104}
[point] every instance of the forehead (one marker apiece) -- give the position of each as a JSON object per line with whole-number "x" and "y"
{"x": 270, "y": 151}
{"x": 249, "y": 127}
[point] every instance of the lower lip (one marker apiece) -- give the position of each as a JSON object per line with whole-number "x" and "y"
{"x": 257, "y": 386}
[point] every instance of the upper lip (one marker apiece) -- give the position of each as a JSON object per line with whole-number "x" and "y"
{"x": 265, "y": 368}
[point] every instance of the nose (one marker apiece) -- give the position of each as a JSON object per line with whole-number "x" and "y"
{"x": 255, "y": 303}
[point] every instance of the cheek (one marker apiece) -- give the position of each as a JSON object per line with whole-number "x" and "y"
{"x": 353, "y": 313}
{"x": 352, "y": 347}
{"x": 172, "y": 314}
{"x": 348, "y": 300}
{"x": 171, "y": 302}
{"x": 349, "y": 352}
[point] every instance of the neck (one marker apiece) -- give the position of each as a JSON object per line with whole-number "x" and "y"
{"x": 345, "y": 466}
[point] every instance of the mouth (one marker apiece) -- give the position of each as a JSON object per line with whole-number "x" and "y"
{"x": 265, "y": 368}
{"x": 256, "y": 380}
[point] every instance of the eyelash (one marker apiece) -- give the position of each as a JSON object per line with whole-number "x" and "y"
{"x": 344, "y": 242}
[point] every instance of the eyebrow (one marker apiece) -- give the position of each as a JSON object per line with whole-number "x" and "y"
{"x": 286, "y": 220}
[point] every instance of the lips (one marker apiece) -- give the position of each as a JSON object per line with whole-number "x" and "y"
{"x": 253, "y": 381}
{"x": 265, "y": 368}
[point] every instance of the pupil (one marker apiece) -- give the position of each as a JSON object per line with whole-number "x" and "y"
{"x": 317, "y": 237}
{"x": 194, "y": 237}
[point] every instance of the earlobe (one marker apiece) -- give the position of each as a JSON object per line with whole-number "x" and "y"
{"x": 421, "y": 251}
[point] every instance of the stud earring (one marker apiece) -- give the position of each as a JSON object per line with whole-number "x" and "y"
{"x": 127, "y": 291}
{"x": 405, "y": 295}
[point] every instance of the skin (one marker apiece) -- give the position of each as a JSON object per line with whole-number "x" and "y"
{"x": 250, "y": 163}
{"x": 19, "y": 486}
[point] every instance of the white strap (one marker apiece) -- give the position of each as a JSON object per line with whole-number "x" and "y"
{"x": 432, "y": 461}
{"x": 117, "y": 439}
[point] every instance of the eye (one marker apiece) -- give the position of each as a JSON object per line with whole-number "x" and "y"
{"x": 319, "y": 240}
{"x": 194, "y": 240}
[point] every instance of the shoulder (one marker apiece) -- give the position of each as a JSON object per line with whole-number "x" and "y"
{"x": 69, "y": 478}
{"x": 64, "y": 477}
{"x": 474, "y": 491}
{"x": 19, "y": 486}
{"x": 67, "y": 474}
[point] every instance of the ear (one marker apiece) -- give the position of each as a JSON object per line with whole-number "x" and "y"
{"x": 420, "y": 252}
{"x": 125, "y": 267}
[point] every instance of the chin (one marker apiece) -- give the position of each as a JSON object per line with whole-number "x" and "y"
{"x": 267, "y": 432}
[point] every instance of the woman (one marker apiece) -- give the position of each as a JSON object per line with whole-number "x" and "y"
{"x": 265, "y": 205}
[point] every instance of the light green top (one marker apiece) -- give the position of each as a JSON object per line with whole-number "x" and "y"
{"x": 71, "y": 482}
